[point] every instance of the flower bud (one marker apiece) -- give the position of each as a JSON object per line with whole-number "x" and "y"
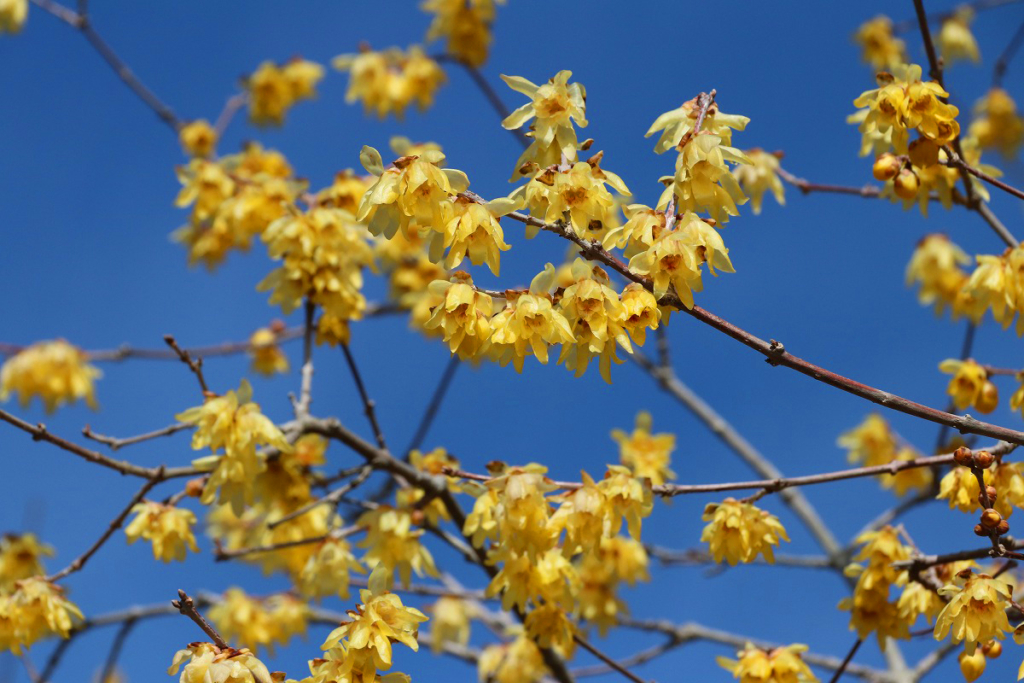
{"x": 1003, "y": 528}
{"x": 194, "y": 487}
{"x": 906, "y": 184}
{"x": 963, "y": 456}
{"x": 979, "y": 530}
{"x": 990, "y": 518}
{"x": 924, "y": 153}
{"x": 886, "y": 167}
{"x": 991, "y": 492}
{"x": 983, "y": 460}
{"x": 992, "y": 649}
{"x": 972, "y": 666}
{"x": 988, "y": 398}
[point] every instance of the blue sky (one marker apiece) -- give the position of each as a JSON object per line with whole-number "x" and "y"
{"x": 88, "y": 185}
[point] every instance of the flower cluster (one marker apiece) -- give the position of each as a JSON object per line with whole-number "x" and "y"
{"x": 388, "y": 82}
{"x": 234, "y": 423}
{"x": 255, "y": 622}
{"x": 267, "y": 357}
{"x": 778, "y": 665}
{"x": 233, "y": 199}
{"x": 54, "y": 371}
{"x": 647, "y": 455}
{"x": 970, "y": 385}
{"x": 518, "y": 661}
{"x": 759, "y": 176}
{"x": 32, "y": 609}
{"x": 873, "y": 442}
{"x": 870, "y": 607}
{"x": 167, "y": 527}
{"x": 997, "y": 125}
{"x": 21, "y": 557}
{"x": 881, "y": 49}
{"x": 739, "y": 532}
{"x": 207, "y": 662}
{"x": 975, "y": 611}
{"x": 465, "y": 26}
{"x": 274, "y": 89}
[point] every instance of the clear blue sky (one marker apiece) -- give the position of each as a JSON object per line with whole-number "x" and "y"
{"x": 87, "y": 193}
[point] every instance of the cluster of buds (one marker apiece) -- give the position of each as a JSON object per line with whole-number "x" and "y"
{"x": 991, "y": 522}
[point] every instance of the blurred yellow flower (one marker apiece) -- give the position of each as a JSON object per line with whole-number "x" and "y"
{"x": 54, "y": 371}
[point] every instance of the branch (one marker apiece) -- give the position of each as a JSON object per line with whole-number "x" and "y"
{"x": 806, "y": 186}
{"x": 641, "y": 657}
{"x": 774, "y": 352}
{"x": 306, "y": 386}
{"x": 699, "y": 557}
{"x": 434, "y": 405}
{"x": 114, "y": 525}
{"x": 187, "y": 606}
{"x": 115, "y": 443}
{"x": 369, "y": 406}
{"x": 115, "y": 650}
{"x": 332, "y": 498}
{"x": 611, "y": 663}
{"x": 925, "y": 561}
{"x": 220, "y": 555}
{"x": 846, "y": 661}
{"x": 999, "y": 70}
{"x": 40, "y": 433}
{"x": 234, "y": 104}
{"x": 955, "y": 159}
{"x": 196, "y": 365}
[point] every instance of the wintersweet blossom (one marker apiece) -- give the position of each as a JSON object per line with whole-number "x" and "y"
{"x": 555, "y": 105}
{"x": 739, "y": 532}
{"x": 976, "y": 611}
{"x": 13, "y": 14}
{"x": 207, "y": 662}
{"x": 167, "y": 527}
{"x": 647, "y": 454}
{"x": 970, "y": 385}
{"x": 21, "y": 557}
{"x": 777, "y": 665}
{"x": 198, "y": 138}
{"x": 54, "y": 371}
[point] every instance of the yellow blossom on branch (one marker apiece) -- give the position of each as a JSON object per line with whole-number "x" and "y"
{"x": 207, "y": 662}
{"x": 970, "y": 385}
{"x": 956, "y": 40}
{"x": 937, "y": 266}
{"x": 54, "y": 371}
{"x": 267, "y": 357}
{"x": 556, "y": 105}
{"x": 167, "y": 527}
{"x": 466, "y": 26}
{"x": 274, "y": 89}
{"x": 21, "y": 557}
{"x": 328, "y": 570}
{"x": 198, "y": 138}
{"x": 739, "y": 532}
{"x": 519, "y": 661}
{"x": 463, "y": 315}
{"x": 881, "y": 49}
{"x": 759, "y": 176}
{"x": 646, "y": 454}
{"x": 596, "y": 317}
{"x": 34, "y": 609}
{"x": 777, "y": 665}
{"x": 449, "y": 622}
{"x": 997, "y": 125}
{"x": 392, "y": 543}
{"x": 976, "y": 611}
{"x": 388, "y": 82}
{"x": 529, "y": 324}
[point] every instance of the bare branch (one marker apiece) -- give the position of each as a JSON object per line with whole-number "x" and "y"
{"x": 221, "y": 555}
{"x": 116, "y": 443}
{"x": 611, "y": 663}
{"x": 187, "y": 606}
{"x": 369, "y": 406}
{"x": 195, "y": 365}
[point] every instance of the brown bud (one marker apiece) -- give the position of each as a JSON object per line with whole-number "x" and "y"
{"x": 979, "y": 530}
{"x": 983, "y": 460}
{"x": 194, "y": 487}
{"x": 1003, "y": 528}
{"x": 277, "y": 326}
{"x": 992, "y": 649}
{"x": 963, "y": 456}
{"x": 990, "y": 491}
{"x": 417, "y": 517}
{"x": 990, "y": 518}
{"x": 885, "y": 167}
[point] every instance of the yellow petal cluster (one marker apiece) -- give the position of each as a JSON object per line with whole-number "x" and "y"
{"x": 33, "y": 609}
{"x": 970, "y": 385}
{"x": 870, "y": 608}
{"x": 449, "y": 623}
{"x": 13, "y": 14}
{"x": 388, "y": 82}
{"x": 874, "y": 443}
{"x": 466, "y": 27}
{"x": 198, "y": 138}
{"x": 555, "y": 106}
{"x": 529, "y": 324}
{"x": 646, "y": 454}
{"x": 976, "y": 610}
{"x": 937, "y": 267}
{"x": 54, "y": 371}
{"x": 956, "y": 40}
{"x": 777, "y": 665}
{"x": 739, "y": 532}
{"x": 519, "y": 661}
{"x": 167, "y": 527}
{"x": 391, "y": 542}
{"x": 235, "y": 424}
{"x": 267, "y": 357}
{"x": 255, "y": 622}
{"x": 880, "y": 48}
{"x": 207, "y": 662}
{"x": 274, "y": 89}
{"x": 759, "y": 176}
{"x": 21, "y": 557}
{"x": 328, "y": 570}
{"x": 997, "y": 125}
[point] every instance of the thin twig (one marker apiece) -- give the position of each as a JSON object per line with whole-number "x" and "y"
{"x": 331, "y": 498}
{"x": 306, "y": 385}
{"x": 489, "y": 93}
{"x": 846, "y": 661}
{"x": 116, "y": 443}
{"x": 925, "y": 561}
{"x": 1007, "y": 55}
{"x": 221, "y": 555}
{"x": 195, "y": 365}
{"x": 115, "y": 649}
{"x": 227, "y": 114}
{"x": 436, "y": 399}
{"x": 114, "y": 525}
{"x": 607, "y": 660}
{"x": 187, "y": 606}
{"x": 369, "y": 406}
{"x": 956, "y": 160}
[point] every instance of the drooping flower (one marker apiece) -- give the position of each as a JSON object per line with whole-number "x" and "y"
{"x": 976, "y": 611}
{"x": 529, "y": 324}
{"x": 34, "y": 609}
{"x": 739, "y": 532}
{"x": 466, "y": 26}
{"x": 463, "y": 315}
{"x": 881, "y": 49}
{"x": 267, "y": 357}
{"x": 167, "y": 527}
{"x": 328, "y": 570}
{"x": 21, "y": 557}
{"x": 628, "y": 498}
{"x": 997, "y": 125}
{"x": 274, "y": 89}
{"x": 677, "y": 125}
{"x": 12, "y": 15}
{"x": 54, "y": 371}
{"x": 449, "y": 622}
{"x": 473, "y": 230}
{"x": 388, "y": 82}
{"x": 646, "y": 454}
{"x": 937, "y": 266}
{"x": 207, "y": 662}
{"x": 970, "y": 385}
{"x": 596, "y": 317}
{"x": 870, "y": 608}
{"x": 703, "y": 181}
{"x": 556, "y": 105}
{"x": 198, "y": 138}
{"x": 759, "y": 176}
{"x": 520, "y": 661}
{"x": 777, "y": 665}
{"x": 393, "y": 544}
{"x": 642, "y": 312}
{"x": 956, "y": 40}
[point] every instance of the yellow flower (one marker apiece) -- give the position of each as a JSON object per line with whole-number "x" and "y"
{"x": 937, "y": 266}
{"x": 267, "y": 356}
{"x": 646, "y": 454}
{"x": 677, "y": 125}
{"x": 273, "y": 89}
{"x": 522, "y": 580}
{"x": 414, "y": 190}
{"x": 234, "y": 423}
{"x": 902, "y": 102}
{"x": 392, "y": 543}
{"x": 778, "y": 665}
{"x": 916, "y": 478}
{"x": 345, "y": 192}
{"x": 198, "y": 138}
{"x": 432, "y": 463}
{"x": 556, "y": 105}
{"x": 21, "y": 558}
{"x": 627, "y": 498}
{"x": 323, "y": 253}
{"x": 760, "y": 176}
{"x": 328, "y": 570}
{"x": 449, "y": 623}
{"x": 465, "y": 25}
{"x": 463, "y": 315}
{"x": 551, "y": 627}
{"x": 642, "y": 312}
{"x": 207, "y": 662}
{"x": 739, "y": 532}
{"x": 12, "y": 15}
{"x": 596, "y": 318}
{"x": 256, "y": 623}
{"x": 871, "y": 442}
{"x": 956, "y": 40}
{"x": 379, "y": 620}
{"x": 520, "y": 661}
{"x": 881, "y": 49}
{"x": 522, "y": 513}
{"x": 997, "y": 124}
{"x": 33, "y": 610}
{"x": 960, "y": 487}
{"x": 473, "y": 230}
{"x": 55, "y": 371}
{"x": 976, "y": 611}
{"x": 168, "y": 528}
{"x": 529, "y": 323}
{"x": 703, "y": 181}
{"x": 387, "y": 82}
{"x": 582, "y": 515}
{"x": 970, "y": 385}
{"x": 579, "y": 190}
